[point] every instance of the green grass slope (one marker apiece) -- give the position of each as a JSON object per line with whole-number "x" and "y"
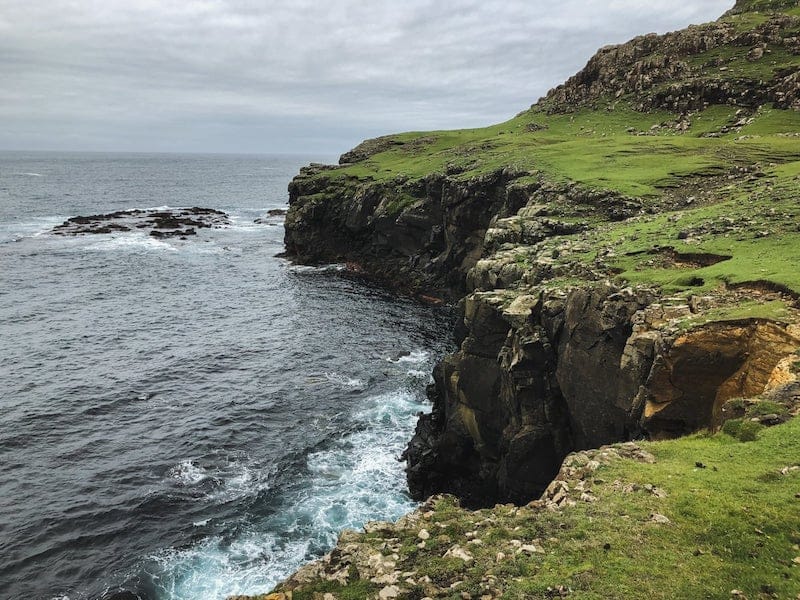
{"x": 720, "y": 179}
{"x": 710, "y": 517}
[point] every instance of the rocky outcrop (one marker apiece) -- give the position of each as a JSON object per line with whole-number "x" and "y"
{"x": 552, "y": 356}
{"x": 696, "y": 372}
{"x": 175, "y": 222}
{"x": 542, "y": 369}
{"x": 743, "y": 6}
{"x": 539, "y": 375}
{"x": 430, "y": 234}
{"x": 417, "y": 235}
{"x": 534, "y": 379}
{"x": 663, "y": 71}
{"x": 381, "y": 557}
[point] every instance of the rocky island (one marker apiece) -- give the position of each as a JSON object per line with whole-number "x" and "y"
{"x": 158, "y": 223}
{"x": 624, "y": 257}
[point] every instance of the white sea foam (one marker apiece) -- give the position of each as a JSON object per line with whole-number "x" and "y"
{"x": 415, "y": 357}
{"x": 318, "y": 269}
{"x": 360, "y": 479}
{"x": 246, "y": 224}
{"x": 215, "y": 569}
{"x": 133, "y": 241}
{"x": 357, "y": 479}
{"x": 33, "y": 228}
{"x": 240, "y": 478}
{"x": 245, "y": 227}
{"x": 345, "y": 381}
{"x": 28, "y": 174}
{"x": 187, "y": 473}
{"x": 417, "y": 374}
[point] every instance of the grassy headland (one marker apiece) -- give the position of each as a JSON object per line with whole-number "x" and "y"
{"x": 715, "y": 178}
{"x": 684, "y": 150}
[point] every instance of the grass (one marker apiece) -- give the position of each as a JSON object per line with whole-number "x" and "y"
{"x": 721, "y": 187}
{"x": 737, "y": 165}
{"x": 733, "y": 523}
{"x": 729, "y": 530}
{"x": 757, "y": 226}
{"x": 775, "y": 310}
{"x": 595, "y": 148}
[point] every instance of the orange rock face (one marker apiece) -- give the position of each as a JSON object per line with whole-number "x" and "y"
{"x": 692, "y": 378}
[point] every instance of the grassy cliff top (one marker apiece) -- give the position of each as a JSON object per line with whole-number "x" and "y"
{"x": 700, "y": 128}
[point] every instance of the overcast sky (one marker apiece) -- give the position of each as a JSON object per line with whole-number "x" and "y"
{"x": 295, "y": 76}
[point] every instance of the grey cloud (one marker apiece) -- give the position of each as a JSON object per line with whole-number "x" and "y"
{"x": 293, "y": 76}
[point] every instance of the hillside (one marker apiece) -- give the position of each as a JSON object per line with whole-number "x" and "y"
{"x": 695, "y": 132}
{"x": 624, "y": 256}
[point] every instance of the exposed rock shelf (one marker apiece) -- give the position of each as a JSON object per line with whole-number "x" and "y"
{"x": 158, "y": 223}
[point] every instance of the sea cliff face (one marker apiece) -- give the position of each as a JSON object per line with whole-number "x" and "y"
{"x": 420, "y": 235}
{"x": 545, "y": 366}
{"x": 623, "y": 254}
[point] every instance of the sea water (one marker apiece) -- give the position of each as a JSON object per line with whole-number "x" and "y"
{"x": 188, "y": 419}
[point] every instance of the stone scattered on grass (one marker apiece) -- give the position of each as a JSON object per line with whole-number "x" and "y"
{"x": 660, "y": 519}
{"x": 457, "y": 551}
{"x": 390, "y": 591}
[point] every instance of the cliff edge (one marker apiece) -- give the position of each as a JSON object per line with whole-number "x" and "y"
{"x": 623, "y": 254}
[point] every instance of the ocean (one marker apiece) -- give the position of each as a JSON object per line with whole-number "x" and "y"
{"x": 188, "y": 419}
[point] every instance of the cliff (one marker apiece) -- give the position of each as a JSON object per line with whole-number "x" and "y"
{"x": 624, "y": 253}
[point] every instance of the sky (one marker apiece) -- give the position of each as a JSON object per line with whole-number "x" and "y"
{"x": 292, "y": 76}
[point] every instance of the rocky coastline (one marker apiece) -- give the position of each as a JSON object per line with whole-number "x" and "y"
{"x": 541, "y": 371}
{"x": 588, "y": 315}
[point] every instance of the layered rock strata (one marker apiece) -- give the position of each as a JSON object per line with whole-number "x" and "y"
{"x": 541, "y": 370}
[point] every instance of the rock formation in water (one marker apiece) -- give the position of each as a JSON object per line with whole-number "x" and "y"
{"x": 158, "y": 223}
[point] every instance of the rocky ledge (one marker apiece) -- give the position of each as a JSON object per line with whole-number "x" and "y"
{"x": 630, "y": 299}
{"x": 158, "y": 223}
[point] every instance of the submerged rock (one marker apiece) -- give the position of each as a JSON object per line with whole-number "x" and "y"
{"x": 273, "y": 217}
{"x": 161, "y": 223}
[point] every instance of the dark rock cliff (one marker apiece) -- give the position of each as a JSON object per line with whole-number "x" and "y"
{"x": 552, "y": 355}
{"x": 540, "y": 371}
{"x": 421, "y": 235}
{"x": 533, "y": 380}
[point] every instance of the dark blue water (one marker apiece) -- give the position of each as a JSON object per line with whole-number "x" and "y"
{"x": 187, "y": 419}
